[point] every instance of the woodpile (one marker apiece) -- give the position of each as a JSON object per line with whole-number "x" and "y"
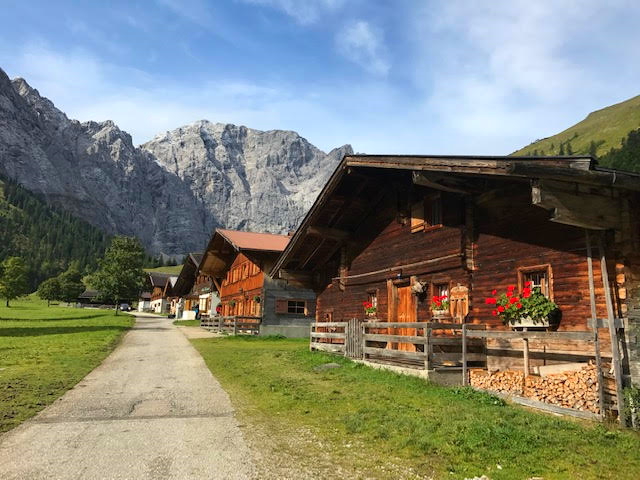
{"x": 576, "y": 389}
{"x": 510, "y": 382}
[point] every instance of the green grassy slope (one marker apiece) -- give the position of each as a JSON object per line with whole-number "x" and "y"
{"x": 172, "y": 270}
{"x": 606, "y": 128}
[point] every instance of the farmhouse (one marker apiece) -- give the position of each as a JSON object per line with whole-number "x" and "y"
{"x": 236, "y": 262}
{"x": 414, "y": 252}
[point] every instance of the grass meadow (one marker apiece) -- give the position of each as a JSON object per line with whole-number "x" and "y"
{"x": 45, "y": 351}
{"x": 377, "y": 424}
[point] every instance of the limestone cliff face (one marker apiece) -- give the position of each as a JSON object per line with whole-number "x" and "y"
{"x": 247, "y": 179}
{"x": 172, "y": 191}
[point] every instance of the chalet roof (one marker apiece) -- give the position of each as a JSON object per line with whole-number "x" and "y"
{"x": 225, "y": 245}
{"x": 158, "y": 279}
{"x": 187, "y": 276}
{"x": 145, "y": 296}
{"x": 255, "y": 241}
{"x": 359, "y": 180}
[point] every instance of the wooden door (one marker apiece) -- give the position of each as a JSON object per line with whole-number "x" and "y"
{"x": 405, "y": 312}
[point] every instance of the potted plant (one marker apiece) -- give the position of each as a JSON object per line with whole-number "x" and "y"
{"x": 439, "y": 306}
{"x": 257, "y": 299}
{"x": 369, "y": 309}
{"x": 530, "y": 309}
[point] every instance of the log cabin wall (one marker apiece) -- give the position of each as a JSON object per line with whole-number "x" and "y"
{"x": 512, "y": 235}
{"x": 243, "y": 283}
{"x": 387, "y": 241}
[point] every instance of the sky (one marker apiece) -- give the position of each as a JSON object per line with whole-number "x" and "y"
{"x": 405, "y": 76}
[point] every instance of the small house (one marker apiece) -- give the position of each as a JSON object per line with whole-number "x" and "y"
{"x": 161, "y": 291}
{"x": 236, "y": 262}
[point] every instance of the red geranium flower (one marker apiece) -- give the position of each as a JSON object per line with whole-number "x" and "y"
{"x": 500, "y": 308}
{"x": 509, "y": 293}
{"x": 494, "y": 292}
{"x": 526, "y": 292}
{"x": 494, "y": 313}
{"x": 490, "y": 301}
{"x": 519, "y": 306}
{"x": 511, "y": 288}
{"x": 514, "y": 300}
{"x": 527, "y": 284}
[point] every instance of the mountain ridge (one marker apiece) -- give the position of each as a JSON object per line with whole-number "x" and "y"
{"x": 94, "y": 170}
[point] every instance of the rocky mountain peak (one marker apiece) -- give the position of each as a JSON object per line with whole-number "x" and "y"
{"x": 171, "y": 191}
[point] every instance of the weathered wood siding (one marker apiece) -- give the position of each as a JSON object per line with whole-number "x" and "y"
{"x": 387, "y": 242}
{"x": 243, "y": 289}
{"x": 510, "y": 234}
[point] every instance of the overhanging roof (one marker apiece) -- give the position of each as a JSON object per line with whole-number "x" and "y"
{"x": 188, "y": 274}
{"x": 440, "y": 171}
{"x": 226, "y": 244}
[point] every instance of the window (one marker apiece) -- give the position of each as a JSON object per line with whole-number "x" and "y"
{"x": 296, "y": 306}
{"x": 441, "y": 290}
{"x": 426, "y": 213}
{"x": 540, "y": 276}
{"x": 373, "y": 298}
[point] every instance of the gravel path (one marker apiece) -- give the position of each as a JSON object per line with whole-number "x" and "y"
{"x": 152, "y": 410}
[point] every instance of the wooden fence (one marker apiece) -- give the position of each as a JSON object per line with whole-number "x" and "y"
{"x": 415, "y": 344}
{"x": 235, "y": 325}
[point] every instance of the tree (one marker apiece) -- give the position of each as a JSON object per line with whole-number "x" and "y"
{"x": 49, "y": 290}
{"x": 13, "y": 279}
{"x": 71, "y": 285}
{"x": 120, "y": 275}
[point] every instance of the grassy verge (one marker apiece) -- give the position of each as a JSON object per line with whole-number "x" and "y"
{"x": 44, "y": 351}
{"x": 377, "y": 424}
{"x": 187, "y": 323}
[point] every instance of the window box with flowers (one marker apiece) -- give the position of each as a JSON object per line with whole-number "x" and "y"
{"x": 369, "y": 309}
{"x": 440, "y": 306}
{"x": 529, "y": 309}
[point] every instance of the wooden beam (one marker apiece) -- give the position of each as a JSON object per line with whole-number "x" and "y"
{"x": 594, "y": 318}
{"x": 595, "y": 212}
{"x": 296, "y": 276}
{"x": 613, "y": 332}
{"x": 328, "y": 232}
{"x": 424, "y": 179}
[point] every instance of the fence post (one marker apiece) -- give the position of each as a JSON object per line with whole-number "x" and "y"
{"x": 465, "y": 379}
{"x": 235, "y": 326}
{"x": 364, "y": 342}
{"x": 427, "y": 346}
{"x": 526, "y": 353}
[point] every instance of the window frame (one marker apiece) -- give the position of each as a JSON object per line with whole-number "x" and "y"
{"x": 546, "y": 268}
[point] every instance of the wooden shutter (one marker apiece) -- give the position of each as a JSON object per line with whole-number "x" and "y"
{"x": 282, "y": 305}
{"x": 417, "y": 216}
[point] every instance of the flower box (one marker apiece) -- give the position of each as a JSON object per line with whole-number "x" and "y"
{"x": 528, "y": 322}
{"x": 439, "y": 313}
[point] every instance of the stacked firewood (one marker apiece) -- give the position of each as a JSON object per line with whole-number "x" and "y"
{"x": 510, "y": 382}
{"x": 577, "y": 389}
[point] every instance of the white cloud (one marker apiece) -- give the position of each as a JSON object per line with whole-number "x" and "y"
{"x": 364, "y": 45}
{"x": 305, "y": 12}
{"x": 506, "y": 72}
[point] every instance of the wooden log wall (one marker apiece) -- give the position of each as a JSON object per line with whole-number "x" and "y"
{"x": 387, "y": 242}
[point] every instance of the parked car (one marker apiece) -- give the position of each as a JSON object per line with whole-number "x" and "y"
{"x": 125, "y": 307}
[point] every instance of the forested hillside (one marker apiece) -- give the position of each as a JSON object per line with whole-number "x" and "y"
{"x": 627, "y": 157}
{"x": 47, "y": 239}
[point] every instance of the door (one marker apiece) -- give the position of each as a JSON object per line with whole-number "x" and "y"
{"x": 405, "y": 312}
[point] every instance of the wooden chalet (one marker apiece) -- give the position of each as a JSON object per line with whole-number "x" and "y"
{"x": 395, "y": 231}
{"x": 236, "y": 262}
{"x": 195, "y": 288}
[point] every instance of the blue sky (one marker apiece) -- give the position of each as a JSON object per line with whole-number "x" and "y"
{"x": 405, "y": 76}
